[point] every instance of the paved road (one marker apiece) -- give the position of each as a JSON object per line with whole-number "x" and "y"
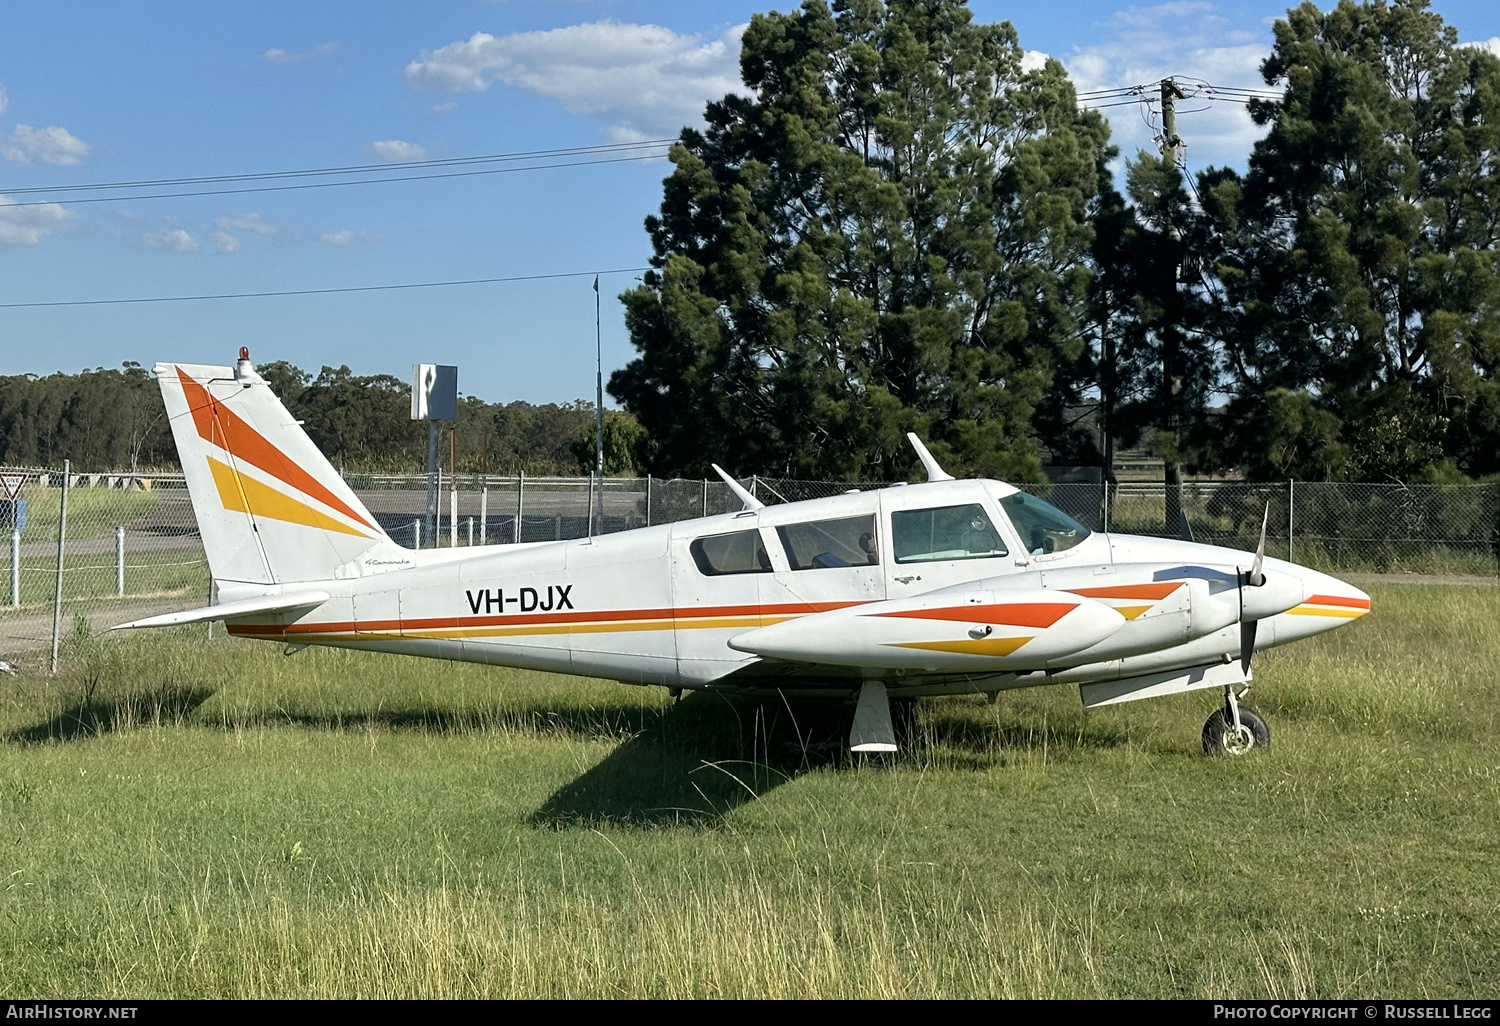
{"x": 28, "y": 632}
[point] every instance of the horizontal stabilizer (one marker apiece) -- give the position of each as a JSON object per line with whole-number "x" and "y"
{"x": 302, "y": 600}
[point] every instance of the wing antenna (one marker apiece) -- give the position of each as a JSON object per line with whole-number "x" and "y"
{"x": 934, "y": 472}
{"x": 750, "y": 501}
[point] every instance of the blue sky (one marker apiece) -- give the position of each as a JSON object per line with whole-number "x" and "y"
{"x": 93, "y": 93}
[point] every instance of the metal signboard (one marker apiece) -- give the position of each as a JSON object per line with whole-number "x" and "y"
{"x": 12, "y": 484}
{"x": 434, "y": 392}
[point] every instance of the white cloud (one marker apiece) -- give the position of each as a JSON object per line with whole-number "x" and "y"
{"x": 439, "y": 109}
{"x": 28, "y": 225}
{"x": 1492, "y": 45}
{"x": 345, "y": 237}
{"x": 643, "y": 78}
{"x": 279, "y": 56}
{"x": 1034, "y": 60}
{"x": 247, "y": 223}
{"x": 51, "y": 145}
{"x": 224, "y": 242}
{"x": 398, "y": 150}
{"x": 173, "y": 240}
{"x": 1192, "y": 42}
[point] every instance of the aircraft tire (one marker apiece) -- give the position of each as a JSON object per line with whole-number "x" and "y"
{"x": 1219, "y": 734}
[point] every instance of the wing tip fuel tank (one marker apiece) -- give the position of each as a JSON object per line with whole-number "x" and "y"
{"x": 964, "y": 631}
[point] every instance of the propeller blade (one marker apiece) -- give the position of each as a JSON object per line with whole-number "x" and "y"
{"x": 1247, "y": 643}
{"x": 1257, "y": 576}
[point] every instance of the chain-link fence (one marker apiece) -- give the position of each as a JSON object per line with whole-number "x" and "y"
{"x": 1337, "y": 526}
{"x": 132, "y": 548}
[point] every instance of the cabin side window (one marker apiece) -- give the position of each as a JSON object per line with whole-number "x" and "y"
{"x": 944, "y": 532}
{"x": 825, "y": 544}
{"x": 740, "y": 553}
{"x": 1043, "y": 527}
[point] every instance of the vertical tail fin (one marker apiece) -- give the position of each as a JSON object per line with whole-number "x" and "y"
{"x": 270, "y": 507}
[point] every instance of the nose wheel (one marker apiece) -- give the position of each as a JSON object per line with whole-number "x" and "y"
{"x": 1235, "y": 730}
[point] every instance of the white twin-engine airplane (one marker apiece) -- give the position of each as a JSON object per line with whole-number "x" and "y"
{"x": 947, "y": 587}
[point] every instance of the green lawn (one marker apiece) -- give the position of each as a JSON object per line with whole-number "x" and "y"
{"x": 183, "y": 818}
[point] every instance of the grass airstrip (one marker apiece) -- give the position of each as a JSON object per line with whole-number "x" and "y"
{"x": 186, "y": 818}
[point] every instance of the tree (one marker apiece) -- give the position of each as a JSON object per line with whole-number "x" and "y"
{"x": 1363, "y": 271}
{"x": 883, "y": 236}
{"x": 623, "y": 442}
{"x": 98, "y": 418}
{"x": 1158, "y": 365}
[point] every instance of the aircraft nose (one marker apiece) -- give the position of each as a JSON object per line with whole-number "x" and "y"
{"x": 1330, "y": 603}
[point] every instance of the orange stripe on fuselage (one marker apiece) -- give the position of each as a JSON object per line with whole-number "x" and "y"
{"x": 1012, "y": 614}
{"x": 583, "y": 622}
{"x": 221, "y": 426}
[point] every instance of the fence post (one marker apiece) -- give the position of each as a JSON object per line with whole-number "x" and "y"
{"x": 119, "y": 561}
{"x": 416, "y": 533}
{"x": 1495, "y": 499}
{"x": 591, "y": 505}
{"x": 62, "y": 533}
{"x": 520, "y": 505}
{"x": 15, "y": 566}
{"x": 484, "y": 515}
{"x": 471, "y": 532}
{"x": 648, "y": 499}
{"x": 1291, "y": 505}
{"x": 705, "y": 496}
{"x": 453, "y": 512}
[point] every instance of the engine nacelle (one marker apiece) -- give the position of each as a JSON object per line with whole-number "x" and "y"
{"x": 1164, "y": 606}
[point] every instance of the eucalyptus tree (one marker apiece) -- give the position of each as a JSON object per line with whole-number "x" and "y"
{"x": 883, "y": 233}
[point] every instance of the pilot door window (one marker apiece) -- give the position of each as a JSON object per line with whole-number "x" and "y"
{"x": 738, "y": 553}
{"x": 944, "y": 532}
{"x": 1042, "y": 526}
{"x": 826, "y": 544}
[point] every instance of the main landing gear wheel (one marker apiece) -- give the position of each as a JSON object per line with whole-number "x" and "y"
{"x": 1221, "y": 738}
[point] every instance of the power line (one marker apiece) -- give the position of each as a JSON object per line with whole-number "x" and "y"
{"x": 322, "y": 292}
{"x": 332, "y": 185}
{"x": 1197, "y": 89}
{"x": 401, "y": 165}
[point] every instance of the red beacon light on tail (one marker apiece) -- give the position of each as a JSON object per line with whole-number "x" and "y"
{"x": 244, "y": 370}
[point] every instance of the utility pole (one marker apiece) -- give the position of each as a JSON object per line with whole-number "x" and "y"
{"x": 598, "y": 408}
{"x": 1171, "y": 144}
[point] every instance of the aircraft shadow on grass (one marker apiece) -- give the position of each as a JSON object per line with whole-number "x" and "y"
{"x": 93, "y": 716}
{"x": 710, "y": 754}
{"x": 699, "y": 759}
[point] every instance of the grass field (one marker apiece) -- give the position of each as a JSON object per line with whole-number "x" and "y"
{"x": 90, "y": 578}
{"x": 180, "y": 818}
{"x": 91, "y": 511}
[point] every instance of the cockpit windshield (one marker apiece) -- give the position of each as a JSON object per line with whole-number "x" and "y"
{"x": 1042, "y": 526}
